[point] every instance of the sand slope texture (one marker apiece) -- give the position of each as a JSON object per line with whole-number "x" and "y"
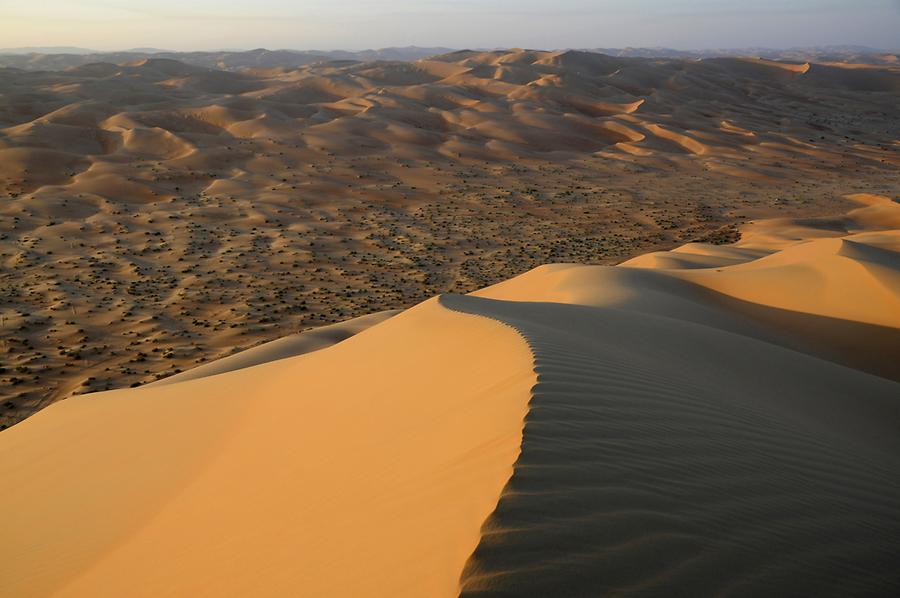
{"x": 708, "y": 421}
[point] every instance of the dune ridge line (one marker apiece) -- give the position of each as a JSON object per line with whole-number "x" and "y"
{"x": 305, "y": 474}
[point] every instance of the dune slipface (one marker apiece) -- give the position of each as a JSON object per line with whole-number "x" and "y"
{"x": 674, "y": 444}
{"x": 707, "y": 421}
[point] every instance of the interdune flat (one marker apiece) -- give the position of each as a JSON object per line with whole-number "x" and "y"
{"x": 658, "y": 428}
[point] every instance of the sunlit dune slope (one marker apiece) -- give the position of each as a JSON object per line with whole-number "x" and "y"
{"x": 363, "y": 469}
{"x": 288, "y": 346}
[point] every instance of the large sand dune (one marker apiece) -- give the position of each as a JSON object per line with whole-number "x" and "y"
{"x": 156, "y": 215}
{"x": 662, "y": 427}
{"x": 297, "y": 477}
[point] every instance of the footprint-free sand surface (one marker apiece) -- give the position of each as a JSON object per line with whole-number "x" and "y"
{"x": 706, "y": 421}
{"x": 696, "y": 431}
{"x": 156, "y": 216}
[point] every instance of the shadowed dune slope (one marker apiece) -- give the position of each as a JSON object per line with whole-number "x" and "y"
{"x": 665, "y": 458}
{"x": 673, "y": 448}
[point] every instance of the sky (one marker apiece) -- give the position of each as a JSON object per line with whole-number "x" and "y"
{"x": 363, "y": 24}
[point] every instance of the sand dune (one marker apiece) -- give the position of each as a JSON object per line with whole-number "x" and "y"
{"x": 670, "y": 450}
{"x": 661, "y": 427}
{"x": 263, "y": 458}
{"x": 157, "y": 214}
{"x": 288, "y": 346}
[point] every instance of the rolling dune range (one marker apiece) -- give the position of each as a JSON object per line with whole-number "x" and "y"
{"x": 157, "y": 215}
{"x": 60, "y": 58}
{"x": 712, "y": 420}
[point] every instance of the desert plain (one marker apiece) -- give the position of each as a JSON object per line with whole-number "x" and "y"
{"x": 481, "y": 324}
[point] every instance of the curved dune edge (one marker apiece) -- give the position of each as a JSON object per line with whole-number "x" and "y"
{"x": 284, "y": 347}
{"x": 363, "y": 469}
{"x": 662, "y": 457}
{"x": 689, "y": 436}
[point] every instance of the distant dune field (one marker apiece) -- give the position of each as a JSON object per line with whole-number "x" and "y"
{"x": 157, "y": 215}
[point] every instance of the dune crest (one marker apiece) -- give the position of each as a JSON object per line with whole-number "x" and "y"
{"x": 682, "y": 443}
{"x": 667, "y": 408}
{"x": 288, "y": 477}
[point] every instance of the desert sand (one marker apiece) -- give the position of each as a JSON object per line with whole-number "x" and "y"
{"x": 156, "y": 216}
{"x": 513, "y": 324}
{"x": 711, "y": 420}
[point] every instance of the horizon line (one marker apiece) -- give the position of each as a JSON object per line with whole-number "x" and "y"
{"x": 49, "y": 50}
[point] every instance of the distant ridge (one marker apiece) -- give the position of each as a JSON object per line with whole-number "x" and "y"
{"x": 145, "y": 51}
{"x": 47, "y": 50}
{"x": 61, "y": 58}
{"x": 842, "y": 53}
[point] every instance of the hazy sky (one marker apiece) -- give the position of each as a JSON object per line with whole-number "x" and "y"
{"x": 359, "y": 24}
